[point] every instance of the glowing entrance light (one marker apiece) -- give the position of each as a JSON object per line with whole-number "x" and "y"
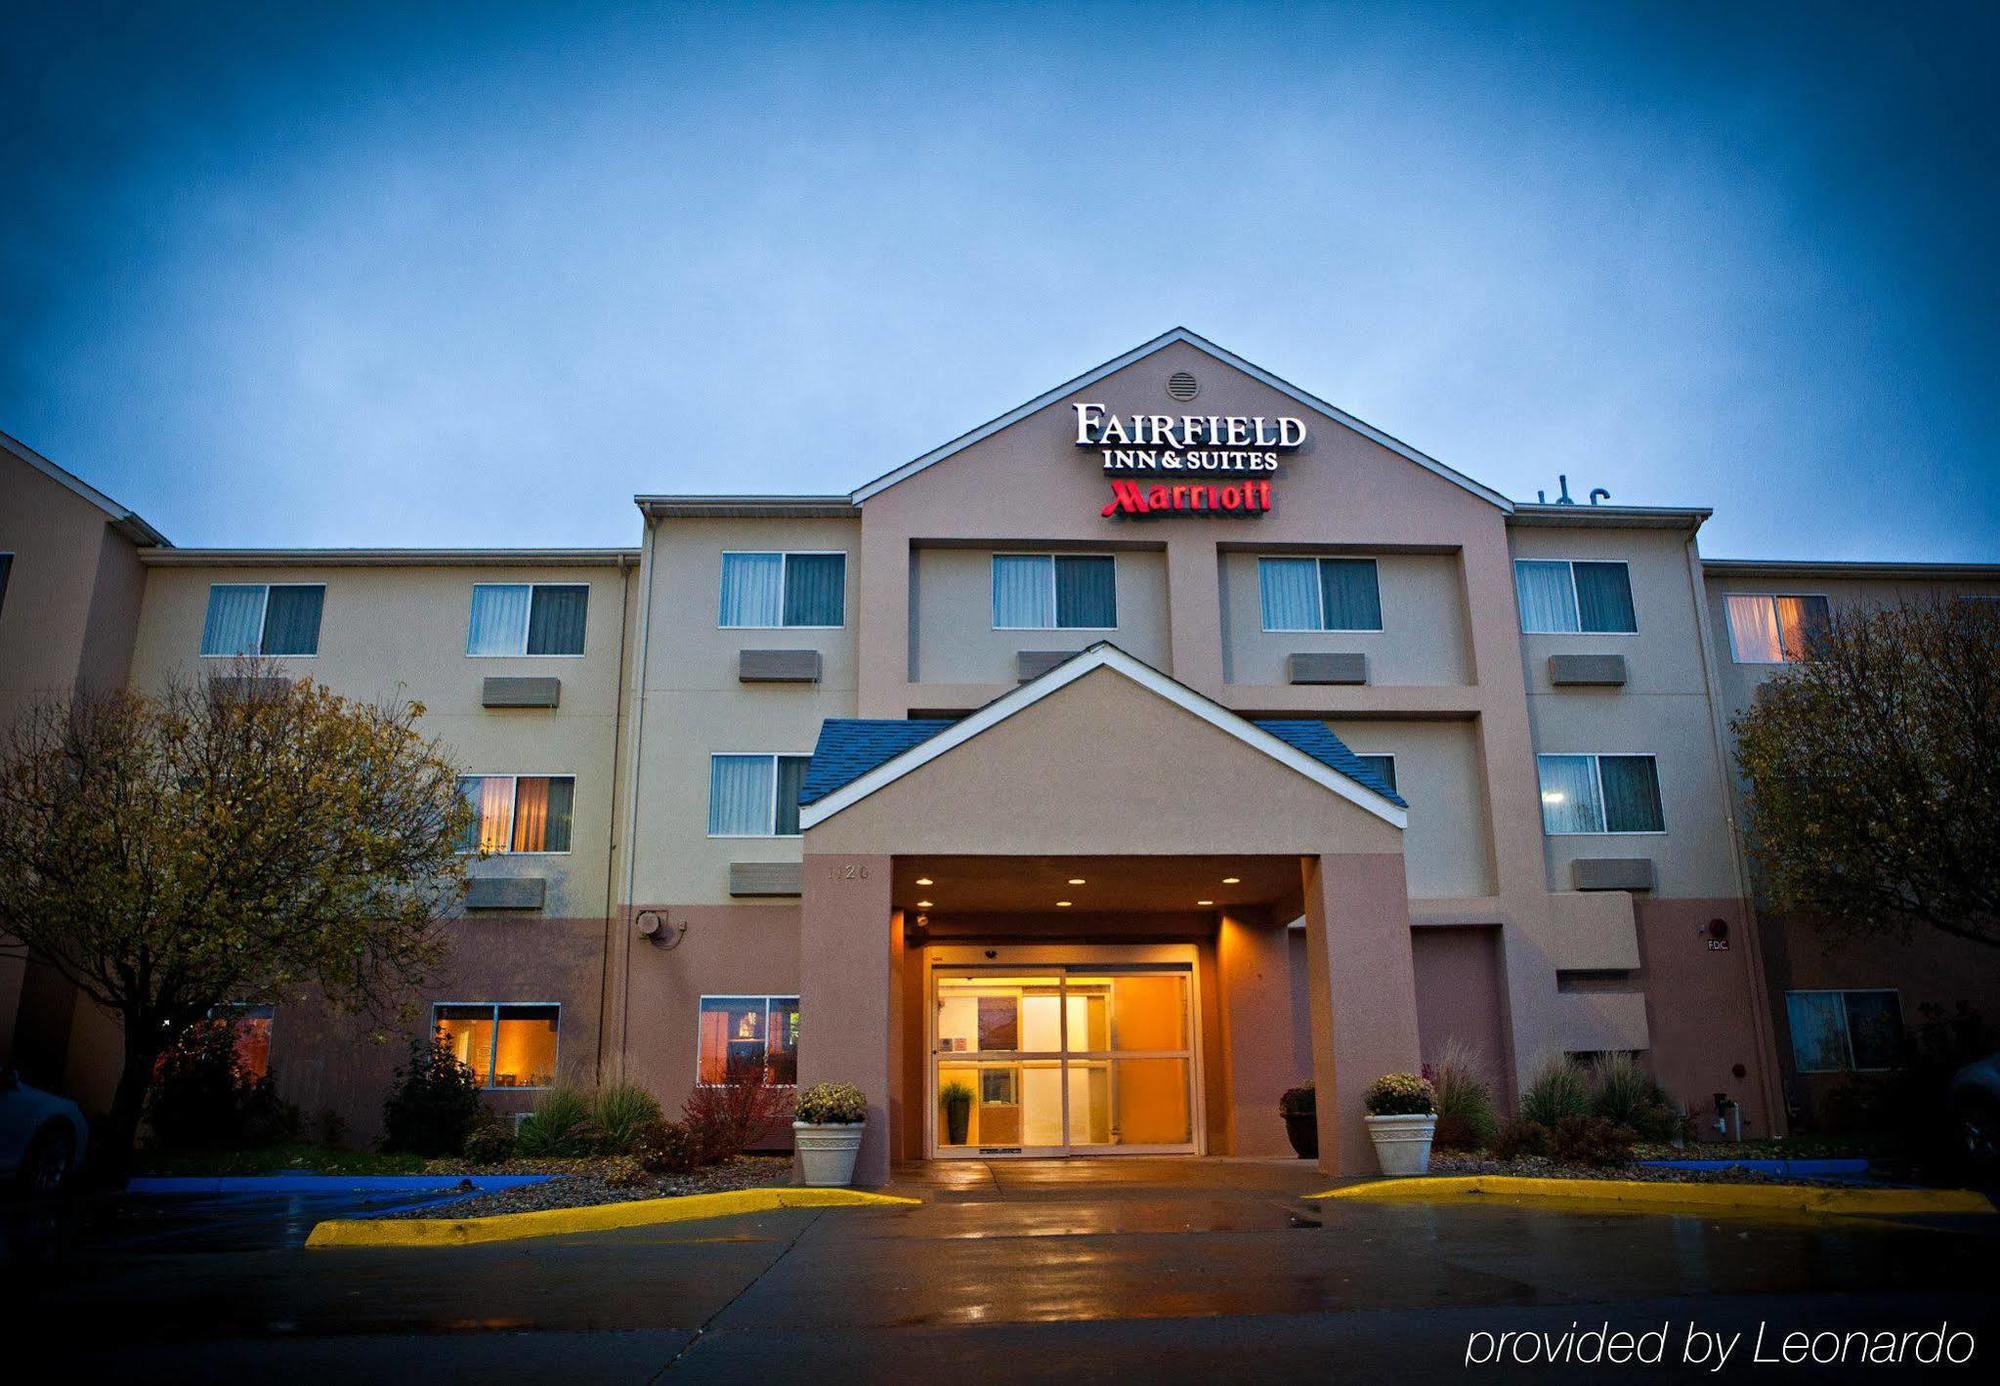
{"x": 1204, "y": 902}
{"x": 1062, "y": 904}
{"x": 1232, "y": 880}
{"x": 923, "y": 904}
{"x": 925, "y": 880}
{"x": 1076, "y": 880}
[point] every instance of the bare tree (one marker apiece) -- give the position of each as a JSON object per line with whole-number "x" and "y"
{"x": 1873, "y": 766}
{"x": 232, "y": 838}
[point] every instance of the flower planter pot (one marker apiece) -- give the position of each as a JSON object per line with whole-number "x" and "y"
{"x": 1302, "y": 1129}
{"x": 957, "y": 1119}
{"x": 1403, "y": 1143}
{"x": 826, "y": 1152}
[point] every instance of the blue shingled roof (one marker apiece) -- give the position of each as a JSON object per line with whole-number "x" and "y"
{"x": 849, "y": 747}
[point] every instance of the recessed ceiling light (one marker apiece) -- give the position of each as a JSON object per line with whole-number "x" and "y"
{"x": 1204, "y": 902}
{"x": 923, "y": 904}
{"x": 1076, "y": 880}
{"x": 1232, "y": 880}
{"x": 1062, "y": 904}
{"x": 925, "y": 880}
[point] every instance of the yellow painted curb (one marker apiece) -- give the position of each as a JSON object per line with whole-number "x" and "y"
{"x": 599, "y": 1217}
{"x": 1669, "y": 1196}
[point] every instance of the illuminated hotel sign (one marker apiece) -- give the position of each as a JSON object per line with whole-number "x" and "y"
{"x": 1200, "y": 464}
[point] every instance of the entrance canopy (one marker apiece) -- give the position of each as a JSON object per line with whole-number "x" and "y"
{"x": 1101, "y": 754}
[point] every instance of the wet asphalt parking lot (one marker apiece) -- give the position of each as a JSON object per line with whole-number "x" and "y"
{"x": 1074, "y": 1271}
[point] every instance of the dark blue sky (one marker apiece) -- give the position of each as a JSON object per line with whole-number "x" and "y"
{"x": 474, "y": 275}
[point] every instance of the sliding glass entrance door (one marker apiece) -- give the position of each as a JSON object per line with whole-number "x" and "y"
{"x": 1062, "y": 1060}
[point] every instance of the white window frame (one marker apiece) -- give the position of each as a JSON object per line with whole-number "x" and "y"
{"x": 1395, "y": 775}
{"x": 1597, "y": 773}
{"x": 514, "y": 778}
{"x": 1051, "y": 555}
{"x": 1846, "y": 1030}
{"x": 1729, "y": 625}
{"x": 787, "y": 555}
{"x": 263, "y": 612}
{"x": 527, "y": 620}
{"x": 493, "y": 1049}
{"x": 772, "y": 836}
{"x": 767, "y": 999}
{"x": 1319, "y": 595}
{"x": 1571, "y": 563}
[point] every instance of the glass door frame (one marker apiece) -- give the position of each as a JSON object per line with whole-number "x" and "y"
{"x": 1059, "y": 963}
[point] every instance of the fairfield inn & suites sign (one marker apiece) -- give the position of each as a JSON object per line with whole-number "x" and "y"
{"x": 1231, "y": 458}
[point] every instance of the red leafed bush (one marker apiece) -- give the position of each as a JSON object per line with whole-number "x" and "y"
{"x": 722, "y": 1119}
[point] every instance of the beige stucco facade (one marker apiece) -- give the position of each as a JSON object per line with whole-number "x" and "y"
{"x": 1358, "y": 937}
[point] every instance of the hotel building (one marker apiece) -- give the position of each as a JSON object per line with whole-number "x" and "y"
{"x": 1167, "y": 741}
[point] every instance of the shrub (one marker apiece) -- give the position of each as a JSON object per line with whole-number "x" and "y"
{"x": 432, "y": 1103}
{"x": 832, "y": 1103}
{"x": 623, "y": 1113}
{"x": 1592, "y": 1141}
{"x": 1519, "y": 1138}
{"x": 560, "y": 1125}
{"x": 1559, "y": 1089}
{"x": 1466, "y": 1115}
{"x": 667, "y": 1147}
{"x": 723, "y": 1119}
{"x": 490, "y": 1141}
{"x": 202, "y": 1099}
{"x": 1400, "y": 1094}
{"x": 1302, "y": 1100}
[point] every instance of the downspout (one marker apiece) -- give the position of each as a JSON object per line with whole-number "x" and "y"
{"x": 1760, "y": 1011}
{"x": 631, "y": 843}
{"x": 611, "y": 848}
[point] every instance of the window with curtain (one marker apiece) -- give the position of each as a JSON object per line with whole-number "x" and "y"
{"x": 527, "y": 618}
{"x": 506, "y": 1045}
{"x": 739, "y": 1034}
{"x": 262, "y": 619}
{"x": 1039, "y": 591}
{"x": 1384, "y": 768}
{"x": 1561, "y": 597}
{"x": 755, "y": 795}
{"x": 1767, "y": 629}
{"x": 1319, "y": 594}
{"x": 771, "y": 590}
{"x": 518, "y": 813}
{"x": 1844, "y": 1031}
{"x": 1600, "y": 794}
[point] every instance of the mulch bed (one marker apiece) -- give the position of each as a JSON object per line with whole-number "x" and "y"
{"x": 1461, "y": 1162}
{"x": 582, "y": 1184}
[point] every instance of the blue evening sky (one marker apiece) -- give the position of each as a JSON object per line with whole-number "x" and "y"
{"x": 474, "y": 274}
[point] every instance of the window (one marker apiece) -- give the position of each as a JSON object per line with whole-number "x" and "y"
{"x": 6, "y": 567}
{"x": 1775, "y": 630}
{"x": 518, "y": 813}
{"x": 252, "y": 1025}
{"x": 527, "y": 618}
{"x": 1600, "y": 794}
{"x": 508, "y": 1046}
{"x": 262, "y": 619}
{"x": 1383, "y": 766}
{"x": 740, "y": 1032}
{"x": 1040, "y": 591}
{"x": 1319, "y": 593}
{"x": 755, "y": 795}
{"x": 1843, "y": 1031}
{"x": 1558, "y": 597}
{"x": 762, "y": 590}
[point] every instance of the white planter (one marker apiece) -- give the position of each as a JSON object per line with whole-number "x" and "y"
{"x": 1402, "y": 1143}
{"x": 826, "y": 1152}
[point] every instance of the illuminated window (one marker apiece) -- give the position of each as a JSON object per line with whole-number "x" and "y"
{"x": 262, "y": 619}
{"x": 518, "y": 813}
{"x": 1775, "y": 630}
{"x": 527, "y": 618}
{"x": 252, "y": 1025}
{"x": 1600, "y": 794}
{"x": 507, "y": 1046}
{"x": 738, "y": 1033}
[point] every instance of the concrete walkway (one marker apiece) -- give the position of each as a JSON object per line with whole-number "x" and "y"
{"x": 1201, "y": 1271}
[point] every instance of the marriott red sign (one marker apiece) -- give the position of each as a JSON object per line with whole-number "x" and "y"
{"x": 1201, "y": 464}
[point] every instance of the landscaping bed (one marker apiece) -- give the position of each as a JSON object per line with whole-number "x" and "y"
{"x": 1464, "y": 1162}
{"x": 587, "y": 1182}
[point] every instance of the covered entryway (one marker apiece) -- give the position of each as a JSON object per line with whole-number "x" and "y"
{"x": 1087, "y": 883}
